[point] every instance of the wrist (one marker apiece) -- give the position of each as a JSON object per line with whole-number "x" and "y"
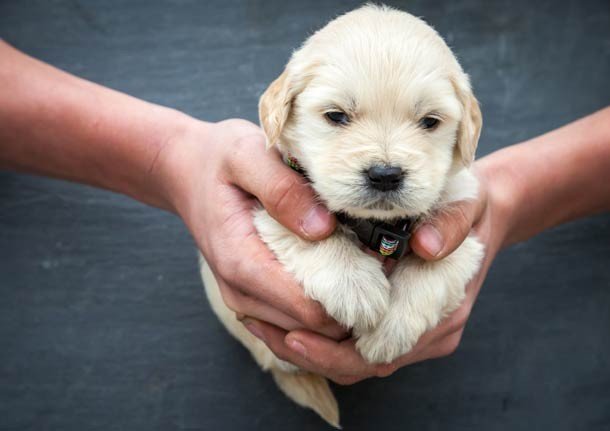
{"x": 505, "y": 194}
{"x": 159, "y": 133}
{"x": 182, "y": 152}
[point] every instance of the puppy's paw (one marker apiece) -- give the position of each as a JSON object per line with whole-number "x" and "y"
{"x": 356, "y": 297}
{"x": 395, "y": 336}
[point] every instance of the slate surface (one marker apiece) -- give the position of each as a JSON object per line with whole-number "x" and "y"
{"x": 103, "y": 324}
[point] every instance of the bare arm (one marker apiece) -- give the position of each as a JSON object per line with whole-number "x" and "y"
{"x": 554, "y": 178}
{"x": 55, "y": 124}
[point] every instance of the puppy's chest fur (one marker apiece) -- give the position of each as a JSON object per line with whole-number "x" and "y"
{"x": 387, "y": 314}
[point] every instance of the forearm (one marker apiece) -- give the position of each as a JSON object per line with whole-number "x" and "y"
{"x": 55, "y": 124}
{"x": 551, "y": 179}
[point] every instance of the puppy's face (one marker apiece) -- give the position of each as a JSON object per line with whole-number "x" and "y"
{"x": 377, "y": 111}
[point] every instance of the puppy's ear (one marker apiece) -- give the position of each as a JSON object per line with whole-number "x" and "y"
{"x": 274, "y": 108}
{"x": 469, "y": 128}
{"x": 276, "y": 102}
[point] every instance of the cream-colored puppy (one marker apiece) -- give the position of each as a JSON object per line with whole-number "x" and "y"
{"x": 381, "y": 117}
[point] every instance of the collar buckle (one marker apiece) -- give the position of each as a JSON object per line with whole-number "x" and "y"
{"x": 388, "y": 239}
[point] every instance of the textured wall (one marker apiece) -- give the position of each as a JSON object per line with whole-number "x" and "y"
{"x": 103, "y": 323}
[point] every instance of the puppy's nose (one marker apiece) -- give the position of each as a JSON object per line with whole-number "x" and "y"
{"x": 385, "y": 178}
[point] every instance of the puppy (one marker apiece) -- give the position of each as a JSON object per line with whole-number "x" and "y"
{"x": 380, "y": 116}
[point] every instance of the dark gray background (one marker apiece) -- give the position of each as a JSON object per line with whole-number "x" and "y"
{"x": 103, "y": 323}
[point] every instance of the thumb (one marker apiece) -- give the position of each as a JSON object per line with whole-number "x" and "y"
{"x": 442, "y": 233}
{"x": 289, "y": 199}
{"x": 285, "y": 194}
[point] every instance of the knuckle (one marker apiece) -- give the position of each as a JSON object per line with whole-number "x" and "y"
{"x": 314, "y": 317}
{"x": 450, "y": 346}
{"x": 280, "y": 191}
{"x": 461, "y": 215}
{"x": 242, "y": 149}
{"x": 385, "y": 370}
{"x": 459, "y": 319}
{"x": 239, "y": 123}
{"x": 345, "y": 380}
{"x": 231, "y": 273}
{"x": 231, "y": 300}
{"x": 240, "y": 273}
{"x": 232, "y": 305}
{"x": 327, "y": 363}
{"x": 241, "y": 276}
{"x": 262, "y": 266}
{"x": 252, "y": 140}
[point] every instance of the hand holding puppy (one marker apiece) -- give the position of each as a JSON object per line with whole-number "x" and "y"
{"x": 438, "y": 237}
{"x": 239, "y": 174}
{"x": 517, "y": 199}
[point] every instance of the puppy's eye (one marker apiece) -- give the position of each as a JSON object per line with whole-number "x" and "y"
{"x": 337, "y": 117}
{"x": 429, "y": 122}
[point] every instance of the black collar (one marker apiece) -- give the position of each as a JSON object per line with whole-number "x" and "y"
{"x": 390, "y": 239}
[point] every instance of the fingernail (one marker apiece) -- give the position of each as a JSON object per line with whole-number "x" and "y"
{"x": 254, "y": 330}
{"x": 298, "y": 347}
{"x": 430, "y": 238}
{"x": 316, "y": 221}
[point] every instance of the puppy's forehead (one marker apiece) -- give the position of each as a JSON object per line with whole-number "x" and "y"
{"x": 376, "y": 56}
{"x": 359, "y": 90}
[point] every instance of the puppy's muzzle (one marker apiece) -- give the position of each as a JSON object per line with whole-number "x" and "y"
{"x": 384, "y": 178}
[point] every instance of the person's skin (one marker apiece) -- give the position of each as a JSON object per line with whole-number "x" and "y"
{"x": 525, "y": 189}
{"x": 211, "y": 175}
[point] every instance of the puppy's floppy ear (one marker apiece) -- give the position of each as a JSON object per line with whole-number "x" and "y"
{"x": 274, "y": 108}
{"x": 469, "y": 128}
{"x": 276, "y": 102}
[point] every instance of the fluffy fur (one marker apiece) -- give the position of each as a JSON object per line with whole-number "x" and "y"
{"x": 386, "y": 70}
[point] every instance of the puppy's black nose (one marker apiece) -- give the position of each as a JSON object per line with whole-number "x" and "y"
{"x": 385, "y": 178}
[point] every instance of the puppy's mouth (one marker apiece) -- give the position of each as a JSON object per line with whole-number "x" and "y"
{"x": 361, "y": 201}
{"x": 382, "y": 206}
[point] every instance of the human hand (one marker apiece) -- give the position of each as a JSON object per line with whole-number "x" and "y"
{"x": 218, "y": 173}
{"x": 486, "y": 217}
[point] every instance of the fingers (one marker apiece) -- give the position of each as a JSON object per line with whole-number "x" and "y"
{"x": 251, "y": 308}
{"x": 327, "y": 356}
{"x": 285, "y": 194}
{"x": 239, "y": 258}
{"x": 274, "y": 339}
{"x": 259, "y": 276}
{"x": 342, "y": 363}
{"x": 447, "y": 347}
{"x": 245, "y": 306}
{"x": 440, "y": 235}
{"x": 338, "y": 361}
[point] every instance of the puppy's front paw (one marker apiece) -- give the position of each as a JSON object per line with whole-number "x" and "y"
{"x": 356, "y": 297}
{"x": 395, "y": 336}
